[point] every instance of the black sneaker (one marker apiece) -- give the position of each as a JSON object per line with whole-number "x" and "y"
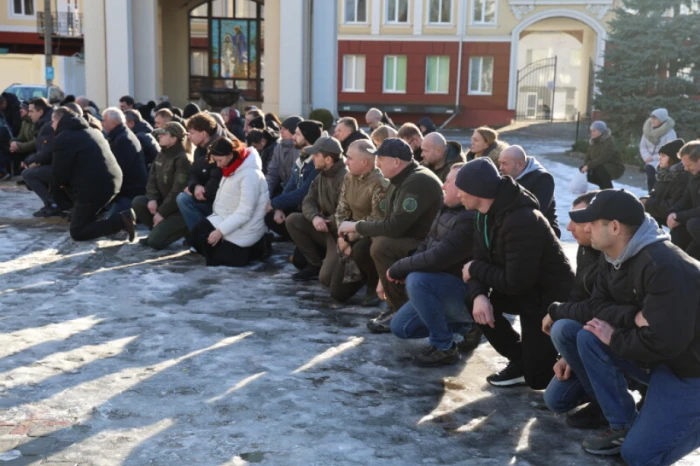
{"x": 433, "y": 357}
{"x": 381, "y": 323}
{"x": 607, "y": 443}
{"x": 471, "y": 340}
{"x": 129, "y": 224}
{"x": 588, "y": 417}
{"x": 49, "y": 211}
{"x": 511, "y": 376}
{"x": 306, "y": 274}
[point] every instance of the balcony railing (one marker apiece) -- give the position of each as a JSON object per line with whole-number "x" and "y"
{"x": 65, "y": 24}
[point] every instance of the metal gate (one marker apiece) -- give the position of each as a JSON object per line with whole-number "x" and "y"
{"x": 537, "y": 84}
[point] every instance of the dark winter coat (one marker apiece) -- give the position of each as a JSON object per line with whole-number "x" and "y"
{"x": 5, "y": 139}
{"x": 168, "y": 178}
{"x": 355, "y": 136}
{"x": 303, "y": 174}
{"x": 236, "y": 127}
{"x": 203, "y": 151}
{"x": 602, "y": 151}
{"x": 413, "y": 199}
{"x": 454, "y": 155}
{"x": 516, "y": 251}
{"x": 663, "y": 283}
{"x": 150, "y": 146}
{"x": 540, "y": 182}
{"x": 429, "y": 125}
{"x": 266, "y": 155}
{"x": 127, "y": 149}
{"x": 283, "y": 159}
{"x": 83, "y": 162}
{"x": 12, "y": 114}
{"x": 447, "y": 247}
{"x": 587, "y": 261}
{"x": 668, "y": 191}
{"x": 689, "y": 205}
{"x": 26, "y": 139}
{"x": 43, "y": 141}
{"x": 387, "y": 121}
{"x": 205, "y": 173}
{"x": 322, "y": 198}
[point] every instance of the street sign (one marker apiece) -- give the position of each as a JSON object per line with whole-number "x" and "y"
{"x": 49, "y": 73}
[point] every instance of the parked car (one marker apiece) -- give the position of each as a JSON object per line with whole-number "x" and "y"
{"x": 53, "y": 94}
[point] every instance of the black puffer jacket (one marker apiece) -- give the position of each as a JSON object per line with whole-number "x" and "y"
{"x": 127, "y": 149}
{"x": 454, "y": 155}
{"x": 355, "y": 136}
{"x": 43, "y": 141}
{"x": 675, "y": 191}
{"x": 663, "y": 283}
{"x": 587, "y": 260}
{"x": 205, "y": 173}
{"x": 266, "y": 155}
{"x": 84, "y": 162}
{"x": 536, "y": 179}
{"x": 150, "y": 146}
{"x": 516, "y": 252}
{"x": 447, "y": 247}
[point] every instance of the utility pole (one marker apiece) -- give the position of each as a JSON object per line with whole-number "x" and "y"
{"x": 48, "y": 40}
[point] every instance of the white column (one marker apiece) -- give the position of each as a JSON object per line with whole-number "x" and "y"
{"x": 324, "y": 55}
{"x": 120, "y": 64}
{"x": 145, "y": 52}
{"x": 95, "y": 52}
{"x": 375, "y": 16}
{"x": 418, "y": 8}
{"x": 294, "y": 45}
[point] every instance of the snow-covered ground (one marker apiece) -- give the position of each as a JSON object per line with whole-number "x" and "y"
{"x": 111, "y": 353}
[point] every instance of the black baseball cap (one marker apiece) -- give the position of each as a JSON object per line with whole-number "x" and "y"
{"x": 612, "y": 204}
{"x": 395, "y": 147}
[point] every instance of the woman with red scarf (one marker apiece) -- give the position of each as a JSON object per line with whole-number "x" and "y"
{"x": 234, "y": 234}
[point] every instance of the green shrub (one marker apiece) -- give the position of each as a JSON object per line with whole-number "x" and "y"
{"x": 324, "y": 116}
{"x": 580, "y": 146}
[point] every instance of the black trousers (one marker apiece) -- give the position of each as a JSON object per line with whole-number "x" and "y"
{"x": 534, "y": 348}
{"x": 84, "y": 225}
{"x": 687, "y": 237}
{"x": 225, "y": 252}
{"x": 279, "y": 228}
{"x": 601, "y": 177}
{"x": 650, "y": 172}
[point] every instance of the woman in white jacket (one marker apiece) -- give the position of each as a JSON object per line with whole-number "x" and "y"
{"x": 657, "y": 132}
{"x": 234, "y": 234}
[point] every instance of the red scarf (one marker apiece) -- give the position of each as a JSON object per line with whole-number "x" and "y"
{"x": 228, "y": 171}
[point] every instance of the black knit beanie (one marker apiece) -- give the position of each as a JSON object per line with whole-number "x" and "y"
{"x": 479, "y": 178}
{"x": 311, "y": 130}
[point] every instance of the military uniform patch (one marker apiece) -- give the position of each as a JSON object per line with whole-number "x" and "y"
{"x": 382, "y": 205}
{"x": 409, "y": 205}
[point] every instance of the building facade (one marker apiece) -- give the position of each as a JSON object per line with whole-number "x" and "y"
{"x": 473, "y": 62}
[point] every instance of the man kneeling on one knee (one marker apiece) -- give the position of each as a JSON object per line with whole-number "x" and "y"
{"x": 640, "y": 322}
{"x": 433, "y": 277}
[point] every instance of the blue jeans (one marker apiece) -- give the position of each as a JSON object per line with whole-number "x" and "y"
{"x": 192, "y": 210}
{"x": 435, "y": 309}
{"x": 600, "y": 375}
{"x": 119, "y": 204}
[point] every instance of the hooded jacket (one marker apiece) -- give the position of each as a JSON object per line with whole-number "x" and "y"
{"x": 127, "y": 149}
{"x": 655, "y": 277}
{"x": 150, "y": 146}
{"x": 43, "y": 141}
{"x": 602, "y": 152}
{"x": 354, "y": 136}
{"x": 447, "y": 247}
{"x": 168, "y": 178}
{"x": 428, "y": 123}
{"x": 322, "y": 198}
{"x": 516, "y": 251}
{"x": 284, "y": 156}
{"x": 689, "y": 205}
{"x": 454, "y": 155}
{"x": 303, "y": 174}
{"x": 540, "y": 182}
{"x": 493, "y": 152}
{"x": 84, "y": 162}
{"x": 412, "y": 201}
{"x": 668, "y": 191}
{"x": 241, "y": 200}
{"x": 654, "y": 138}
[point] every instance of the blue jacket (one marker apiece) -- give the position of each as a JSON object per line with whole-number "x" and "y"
{"x": 298, "y": 185}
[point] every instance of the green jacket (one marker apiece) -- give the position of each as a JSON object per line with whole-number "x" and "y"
{"x": 412, "y": 202}
{"x": 168, "y": 178}
{"x": 322, "y": 198}
{"x": 602, "y": 152}
{"x": 26, "y": 136}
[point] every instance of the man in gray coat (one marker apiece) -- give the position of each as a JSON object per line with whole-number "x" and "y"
{"x": 283, "y": 157}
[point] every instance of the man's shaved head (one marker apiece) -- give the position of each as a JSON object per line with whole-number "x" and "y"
{"x": 516, "y": 152}
{"x": 436, "y": 140}
{"x": 512, "y": 161}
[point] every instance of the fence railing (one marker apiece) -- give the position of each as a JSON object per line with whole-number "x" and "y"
{"x": 65, "y": 24}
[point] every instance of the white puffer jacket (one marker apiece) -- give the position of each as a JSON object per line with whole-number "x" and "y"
{"x": 239, "y": 207}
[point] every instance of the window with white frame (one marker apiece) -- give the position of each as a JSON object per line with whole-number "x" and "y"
{"x": 437, "y": 75}
{"x": 354, "y": 73}
{"x": 395, "y": 73}
{"x": 23, "y": 7}
{"x": 355, "y": 11}
{"x": 396, "y": 11}
{"x": 484, "y": 11}
{"x": 440, "y": 12}
{"x": 481, "y": 75}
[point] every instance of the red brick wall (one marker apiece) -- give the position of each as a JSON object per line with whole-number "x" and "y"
{"x": 475, "y": 110}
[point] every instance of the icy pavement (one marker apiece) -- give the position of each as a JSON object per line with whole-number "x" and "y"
{"x": 115, "y": 354}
